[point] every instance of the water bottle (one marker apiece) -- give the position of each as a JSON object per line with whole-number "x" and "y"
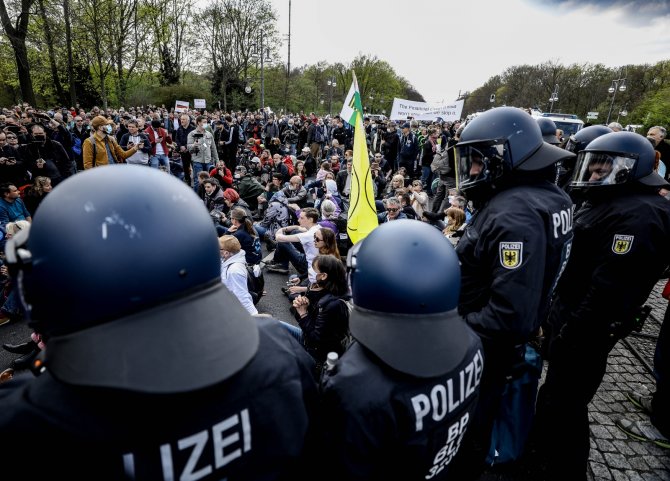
{"x": 331, "y": 361}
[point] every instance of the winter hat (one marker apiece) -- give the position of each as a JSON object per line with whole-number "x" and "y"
{"x": 231, "y": 195}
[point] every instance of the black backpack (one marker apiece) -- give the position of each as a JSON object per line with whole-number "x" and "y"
{"x": 255, "y": 284}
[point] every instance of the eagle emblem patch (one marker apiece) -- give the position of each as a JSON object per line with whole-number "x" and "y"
{"x": 511, "y": 254}
{"x": 622, "y": 243}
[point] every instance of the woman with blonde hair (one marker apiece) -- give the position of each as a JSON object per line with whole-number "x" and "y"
{"x": 36, "y": 193}
{"x": 455, "y": 221}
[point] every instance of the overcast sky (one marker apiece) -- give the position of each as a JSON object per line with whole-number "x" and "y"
{"x": 445, "y": 46}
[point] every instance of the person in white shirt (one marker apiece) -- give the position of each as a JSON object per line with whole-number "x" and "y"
{"x": 286, "y": 251}
{"x": 234, "y": 271}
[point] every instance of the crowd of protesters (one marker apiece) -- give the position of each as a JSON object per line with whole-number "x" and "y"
{"x": 274, "y": 179}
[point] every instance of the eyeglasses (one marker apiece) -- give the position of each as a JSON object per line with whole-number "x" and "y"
{"x": 392, "y": 209}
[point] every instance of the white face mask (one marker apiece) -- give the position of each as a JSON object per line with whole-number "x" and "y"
{"x": 204, "y": 124}
{"x": 108, "y": 129}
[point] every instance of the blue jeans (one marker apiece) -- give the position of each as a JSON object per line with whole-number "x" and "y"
{"x": 197, "y": 168}
{"x": 287, "y": 252}
{"x": 427, "y": 178}
{"x": 161, "y": 159}
{"x": 294, "y": 331}
{"x": 261, "y": 231}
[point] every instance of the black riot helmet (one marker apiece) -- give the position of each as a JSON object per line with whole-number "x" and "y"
{"x": 616, "y": 159}
{"x": 414, "y": 326}
{"x": 121, "y": 273}
{"x": 497, "y": 143}
{"x": 579, "y": 140}
{"x": 548, "y": 129}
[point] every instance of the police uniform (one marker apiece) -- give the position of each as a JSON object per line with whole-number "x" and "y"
{"x": 619, "y": 252}
{"x": 397, "y": 426}
{"x": 254, "y": 425}
{"x": 397, "y": 404}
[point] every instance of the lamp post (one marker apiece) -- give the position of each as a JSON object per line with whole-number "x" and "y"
{"x": 553, "y": 98}
{"x": 264, "y": 56}
{"x": 617, "y": 84}
{"x": 623, "y": 113}
{"x": 332, "y": 84}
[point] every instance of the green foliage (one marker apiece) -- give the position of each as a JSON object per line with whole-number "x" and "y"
{"x": 653, "y": 110}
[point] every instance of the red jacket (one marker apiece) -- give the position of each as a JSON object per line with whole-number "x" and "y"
{"x": 226, "y": 180}
{"x": 161, "y": 133}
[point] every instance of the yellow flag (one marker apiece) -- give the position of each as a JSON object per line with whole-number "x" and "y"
{"x": 362, "y": 218}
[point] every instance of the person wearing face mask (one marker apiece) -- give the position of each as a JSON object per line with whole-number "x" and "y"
{"x": 101, "y": 147}
{"x": 159, "y": 139}
{"x": 44, "y": 157}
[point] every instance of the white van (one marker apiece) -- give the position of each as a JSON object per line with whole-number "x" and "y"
{"x": 570, "y": 124}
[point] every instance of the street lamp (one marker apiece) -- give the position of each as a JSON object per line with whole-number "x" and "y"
{"x": 332, "y": 84}
{"x": 264, "y": 56}
{"x": 620, "y": 85}
{"x": 623, "y": 113}
{"x": 553, "y": 98}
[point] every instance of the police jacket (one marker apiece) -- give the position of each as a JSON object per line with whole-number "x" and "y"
{"x": 381, "y": 424}
{"x": 511, "y": 255}
{"x": 251, "y": 426}
{"x": 621, "y": 247}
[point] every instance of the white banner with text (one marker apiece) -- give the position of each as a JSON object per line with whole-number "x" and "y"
{"x": 404, "y": 109}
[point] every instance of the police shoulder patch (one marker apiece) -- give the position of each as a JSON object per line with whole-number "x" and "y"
{"x": 622, "y": 243}
{"x": 511, "y": 254}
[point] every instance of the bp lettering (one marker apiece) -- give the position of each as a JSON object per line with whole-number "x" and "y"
{"x": 444, "y": 398}
{"x": 206, "y": 451}
{"x": 445, "y": 455}
{"x": 562, "y": 222}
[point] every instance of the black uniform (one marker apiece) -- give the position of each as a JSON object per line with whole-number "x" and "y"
{"x": 621, "y": 247}
{"x": 251, "y": 426}
{"x": 397, "y": 426}
{"x": 511, "y": 255}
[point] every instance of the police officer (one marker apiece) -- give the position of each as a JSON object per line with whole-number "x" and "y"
{"x": 575, "y": 144}
{"x": 399, "y": 400}
{"x": 511, "y": 253}
{"x": 548, "y": 129}
{"x": 620, "y": 250}
{"x": 153, "y": 370}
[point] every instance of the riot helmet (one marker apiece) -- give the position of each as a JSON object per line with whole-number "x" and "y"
{"x": 616, "y": 159}
{"x": 495, "y": 144}
{"x": 548, "y": 129}
{"x": 411, "y": 324}
{"x": 581, "y": 139}
{"x": 121, "y": 274}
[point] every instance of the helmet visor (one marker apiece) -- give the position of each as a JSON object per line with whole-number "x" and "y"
{"x": 473, "y": 160}
{"x": 601, "y": 168}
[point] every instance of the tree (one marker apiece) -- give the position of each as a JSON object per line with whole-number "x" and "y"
{"x": 17, "y": 37}
{"x": 49, "y": 40}
{"x": 173, "y": 34}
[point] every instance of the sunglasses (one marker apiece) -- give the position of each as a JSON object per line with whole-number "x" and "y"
{"x": 317, "y": 239}
{"x": 393, "y": 210}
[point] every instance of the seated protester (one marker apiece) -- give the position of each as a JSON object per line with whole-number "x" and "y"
{"x": 310, "y": 162}
{"x": 325, "y": 241}
{"x": 295, "y": 192}
{"x": 286, "y": 252}
{"x": 280, "y": 168}
{"x": 462, "y": 203}
{"x": 335, "y": 150}
{"x": 406, "y": 204}
{"x": 36, "y": 193}
{"x": 44, "y": 157}
{"x": 243, "y": 230}
{"x": 232, "y": 200}
{"x": 276, "y": 217}
{"x": 300, "y": 170}
{"x": 202, "y": 177}
{"x": 248, "y": 187}
{"x": 222, "y": 174}
{"x": 328, "y": 216}
{"x": 234, "y": 271}
{"x": 393, "y": 211}
{"x": 396, "y": 187}
{"x": 135, "y": 137}
{"x": 274, "y": 185}
{"x": 322, "y": 314}
{"x": 436, "y": 219}
{"x": 12, "y": 208}
{"x": 334, "y": 163}
{"x": 455, "y": 223}
{"x": 419, "y": 198}
{"x": 331, "y": 194}
{"x": 12, "y": 307}
{"x": 214, "y": 199}
{"x": 323, "y": 170}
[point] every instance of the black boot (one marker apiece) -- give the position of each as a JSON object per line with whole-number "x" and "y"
{"x": 25, "y": 361}
{"x": 23, "y": 348}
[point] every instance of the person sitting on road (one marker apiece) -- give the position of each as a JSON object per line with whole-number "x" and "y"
{"x": 234, "y": 271}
